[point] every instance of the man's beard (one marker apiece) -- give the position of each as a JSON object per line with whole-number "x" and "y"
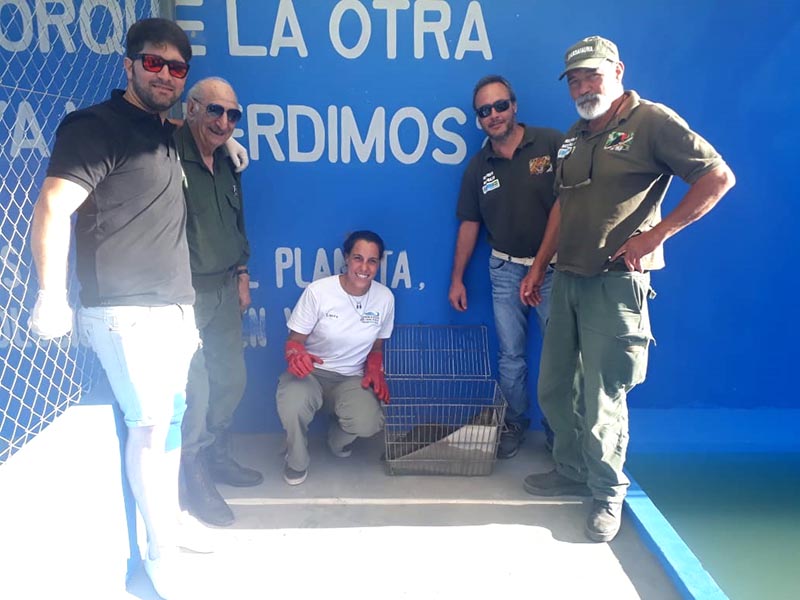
{"x": 590, "y": 106}
{"x": 145, "y": 94}
{"x": 505, "y": 133}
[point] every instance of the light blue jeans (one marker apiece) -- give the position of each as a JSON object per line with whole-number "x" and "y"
{"x": 511, "y": 324}
{"x": 145, "y": 352}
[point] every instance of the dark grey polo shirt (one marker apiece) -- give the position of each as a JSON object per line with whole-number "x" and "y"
{"x": 512, "y": 198}
{"x": 130, "y": 233}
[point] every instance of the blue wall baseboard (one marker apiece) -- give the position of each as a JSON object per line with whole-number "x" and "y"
{"x": 680, "y": 563}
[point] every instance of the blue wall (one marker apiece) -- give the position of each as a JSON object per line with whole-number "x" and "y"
{"x": 723, "y": 318}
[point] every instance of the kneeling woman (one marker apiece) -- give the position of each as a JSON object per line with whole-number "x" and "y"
{"x": 335, "y": 356}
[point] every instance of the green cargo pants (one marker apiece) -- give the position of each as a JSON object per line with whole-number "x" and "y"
{"x": 599, "y": 333}
{"x": 217, "y": 375}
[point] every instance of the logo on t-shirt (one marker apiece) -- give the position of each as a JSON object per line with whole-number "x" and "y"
{"x": 331, "y": 315}
{"x": 490, "y": 182}
{"x": 371, "y": 317}
{"x": 618, "y": 141}
{"x": 540, "y": 165}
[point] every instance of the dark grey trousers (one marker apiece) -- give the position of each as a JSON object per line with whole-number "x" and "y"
{"x": 217, "y": 375}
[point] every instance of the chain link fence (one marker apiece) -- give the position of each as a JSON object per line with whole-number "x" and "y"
{"x": 54, "y": 57}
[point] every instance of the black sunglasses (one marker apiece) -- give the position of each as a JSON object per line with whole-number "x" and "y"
{"x": 153, "y": 63}
{"x": 216, "y": 111}
{"x": 499, "y": 106}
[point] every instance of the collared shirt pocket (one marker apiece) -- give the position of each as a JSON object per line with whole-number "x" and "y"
{"x": 234, "y": 200}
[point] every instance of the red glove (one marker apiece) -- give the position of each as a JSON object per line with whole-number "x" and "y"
{"x": 373, "y": 376}
{"x": 300, "y": 362}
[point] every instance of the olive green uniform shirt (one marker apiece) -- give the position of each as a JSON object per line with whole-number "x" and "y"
{"x": 611, "y": 184}
{"x": 215, "y": 224}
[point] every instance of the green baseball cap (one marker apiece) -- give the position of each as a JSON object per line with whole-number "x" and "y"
{"x": 589, "y": 53}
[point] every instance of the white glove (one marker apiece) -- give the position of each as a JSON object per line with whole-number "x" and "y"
{"x": 52, "y": 315}
{"x": 238, "y": 154}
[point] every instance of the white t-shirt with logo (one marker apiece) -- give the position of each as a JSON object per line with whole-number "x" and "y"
{"x": 339, "y": 331}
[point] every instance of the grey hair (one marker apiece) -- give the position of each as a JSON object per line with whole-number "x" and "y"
{"x": 195, "y": 90}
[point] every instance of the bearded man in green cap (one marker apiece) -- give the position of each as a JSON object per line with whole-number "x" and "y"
{"x": 612, "y": 173}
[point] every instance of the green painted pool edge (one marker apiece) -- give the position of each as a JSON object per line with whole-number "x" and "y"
{"x": 680, "y": 563}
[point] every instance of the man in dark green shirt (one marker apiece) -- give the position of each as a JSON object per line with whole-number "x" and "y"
{"x": 612, "y": 173}
{"x": 219, "y": 251}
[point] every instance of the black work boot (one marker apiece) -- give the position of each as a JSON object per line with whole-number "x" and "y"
{"x": 199, "y": 495}
{"x": 604, "y": 520}
{"x": 511, "y": 438}
{"x": 224, "y": 469}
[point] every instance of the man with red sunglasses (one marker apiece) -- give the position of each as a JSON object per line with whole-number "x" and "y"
{"x": 508, "y": 186}
{"x": 116, "y": 164}
{"x": 219, "y": 251}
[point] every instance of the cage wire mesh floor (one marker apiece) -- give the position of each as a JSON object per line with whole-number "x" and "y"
{"x": 446, "y": 412}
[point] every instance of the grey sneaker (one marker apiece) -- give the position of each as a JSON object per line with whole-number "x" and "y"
{"x": 511, "y": 439}
{"x": 294, "y": 477}
{"x": 604, "y": 521}
{"x": 554, "y": 483}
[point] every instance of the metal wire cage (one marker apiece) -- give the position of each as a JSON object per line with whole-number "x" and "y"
{"x": 442, "y": 351}
{"x": 446, "y": 412}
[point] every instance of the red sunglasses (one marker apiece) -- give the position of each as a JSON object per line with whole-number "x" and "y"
{"x": 153, "y": 63}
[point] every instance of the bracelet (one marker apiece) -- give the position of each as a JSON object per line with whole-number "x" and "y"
{"x": 243, "y": 271}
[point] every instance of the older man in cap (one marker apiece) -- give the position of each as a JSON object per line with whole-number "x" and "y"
{"x": 613, "y": 171}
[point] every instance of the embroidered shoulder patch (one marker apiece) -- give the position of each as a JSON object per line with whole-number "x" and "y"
{"x": 540, "y": 165}
{"x": 618, "y": 141}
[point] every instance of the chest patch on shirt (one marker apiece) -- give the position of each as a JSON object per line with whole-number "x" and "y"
{"x": 618, "y": 141}
{"x": 490, "y": 182}
{"x": 371, "y": 318}
{"x": 540, "y": 165}
{"x": 567, "y": 146}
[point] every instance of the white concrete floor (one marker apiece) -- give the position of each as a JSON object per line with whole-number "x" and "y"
{"x": 352, "y": 532}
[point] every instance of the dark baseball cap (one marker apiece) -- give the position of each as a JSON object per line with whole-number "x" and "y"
{"x": 589, "y": 53}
